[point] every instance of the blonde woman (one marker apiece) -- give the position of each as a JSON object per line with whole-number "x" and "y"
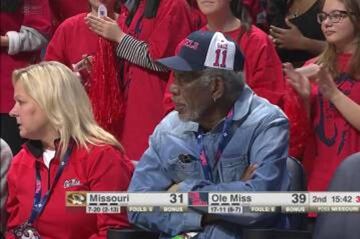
{"x": 66, "y": 151}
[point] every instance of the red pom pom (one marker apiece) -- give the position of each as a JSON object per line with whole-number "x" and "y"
{"x": 300, "y": 127}
{"x": 105, "y": 91}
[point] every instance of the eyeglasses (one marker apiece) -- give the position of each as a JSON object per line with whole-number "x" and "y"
{"x": 335, "y": 16}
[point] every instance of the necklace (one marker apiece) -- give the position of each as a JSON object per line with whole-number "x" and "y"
{"x": 294, "y": 14}
{"x": 299, "y": 7}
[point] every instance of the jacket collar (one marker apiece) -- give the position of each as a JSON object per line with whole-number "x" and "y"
{"x": 35, "y": 147}
{"x": 243, "y": 104}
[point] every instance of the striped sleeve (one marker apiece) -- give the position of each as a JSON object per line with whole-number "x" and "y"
{"x": 137, "y": 52}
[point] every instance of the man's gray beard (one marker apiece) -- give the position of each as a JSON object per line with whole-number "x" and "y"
{"x": 194, "y": 116}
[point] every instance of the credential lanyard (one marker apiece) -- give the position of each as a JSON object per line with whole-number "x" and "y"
{"x": 40, "y": 202}
{"x": 226, "y": 136}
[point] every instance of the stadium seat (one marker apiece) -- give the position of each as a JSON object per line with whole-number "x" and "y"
{"x": 341, "y": 225}
{"x": 297, "y": 221}
{"x": 297, "y": 174}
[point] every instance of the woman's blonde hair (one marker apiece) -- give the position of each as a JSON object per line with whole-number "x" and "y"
{"x": 60, "y": 94}
{"x": 328, "y": 57}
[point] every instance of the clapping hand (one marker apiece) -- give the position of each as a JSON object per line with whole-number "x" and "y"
{"x": 298, "y": 81}
{"x": 326, "y": 84}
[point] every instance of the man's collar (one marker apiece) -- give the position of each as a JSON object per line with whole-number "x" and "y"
{"x": 242, "y": 104}
{"x": 190, "y": 126}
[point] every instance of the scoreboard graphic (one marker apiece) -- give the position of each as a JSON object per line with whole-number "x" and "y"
{"x": 216, "y": 202}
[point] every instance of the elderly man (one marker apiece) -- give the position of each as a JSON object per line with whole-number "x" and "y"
{"x": 219, "y": 132}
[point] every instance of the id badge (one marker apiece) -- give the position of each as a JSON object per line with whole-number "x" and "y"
{"x": 102, "y": 11}
{"x": 26, "y": 231}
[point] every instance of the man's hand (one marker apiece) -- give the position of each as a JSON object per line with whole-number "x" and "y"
{"x": 174, "y": 188}
{"x": 249, "y": 172}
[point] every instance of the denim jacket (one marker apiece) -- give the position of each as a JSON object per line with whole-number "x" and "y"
{"x": 261, "y": 137}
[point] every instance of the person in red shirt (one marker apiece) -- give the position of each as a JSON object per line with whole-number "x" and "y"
{"x": 67, "y": 151}
{"x": 258, "y": 12}
{"x": 263, "y": 68}
{"x": 146, "y": 31}
{"x": 199, "y": 19}
{"x": 65, "y": 48}
{"x": 25, "y": 27}
{"x": 64, "y": 45}
{"x": 333, "y": 99}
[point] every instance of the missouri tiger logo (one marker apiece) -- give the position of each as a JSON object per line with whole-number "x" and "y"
{"x": 75, "y": 199}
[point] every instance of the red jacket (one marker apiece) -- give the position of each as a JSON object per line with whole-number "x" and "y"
{"x": 198, "y": 18}
{"x": 102, "y": 168}
{"x": 145, "y": 88}
{"x": 34, "y": 14}
{"x": 64, "y": 45}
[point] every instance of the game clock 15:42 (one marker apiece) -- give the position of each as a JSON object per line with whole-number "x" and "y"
{"x": 341, "y": 199}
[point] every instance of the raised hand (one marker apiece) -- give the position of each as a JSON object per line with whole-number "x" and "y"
{"x": 105, "y": 27}
{"x": 298, "y": 81}
{"x": 326, "y": 84}
{"x": 290, "y": 38}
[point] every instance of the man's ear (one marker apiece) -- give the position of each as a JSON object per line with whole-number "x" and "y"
{"x": 217, "y": 87}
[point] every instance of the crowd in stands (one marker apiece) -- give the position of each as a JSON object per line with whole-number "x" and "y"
{"x": 170, "y": 96}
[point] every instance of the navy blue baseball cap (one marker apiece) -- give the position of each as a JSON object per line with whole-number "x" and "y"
{"x": 204, "y": 49}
